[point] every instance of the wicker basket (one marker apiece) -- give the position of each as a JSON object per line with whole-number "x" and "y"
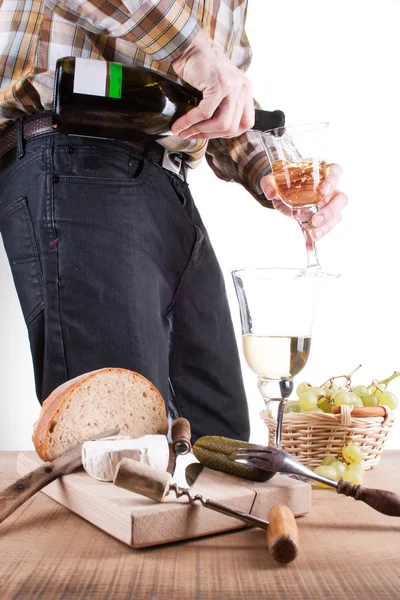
{"x": 309, "y": 436}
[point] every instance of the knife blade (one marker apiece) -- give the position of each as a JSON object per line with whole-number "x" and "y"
{"x": 20, "y": 491}
{"x": 181, "y": 446}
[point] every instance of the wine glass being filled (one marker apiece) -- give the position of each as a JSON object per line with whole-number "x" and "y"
{"x": 297, "y": 156}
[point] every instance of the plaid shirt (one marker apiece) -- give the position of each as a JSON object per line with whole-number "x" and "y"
{"x": 150, "y": 33}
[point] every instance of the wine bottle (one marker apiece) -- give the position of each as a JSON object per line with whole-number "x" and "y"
{"x": 110, "y": 100}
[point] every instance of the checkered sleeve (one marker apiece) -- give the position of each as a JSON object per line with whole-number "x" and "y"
{"x": 161, "y": 28}
{"x": 241, "y": 159}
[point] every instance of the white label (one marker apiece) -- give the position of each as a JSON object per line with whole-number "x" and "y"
{"x": 90, "y": 77}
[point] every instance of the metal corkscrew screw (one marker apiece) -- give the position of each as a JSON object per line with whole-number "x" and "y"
{"x": 154, "y": 483}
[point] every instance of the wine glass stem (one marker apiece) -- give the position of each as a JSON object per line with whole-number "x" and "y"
{"x": 303, "y": 216}
{"x": 279, "y": 422}
{"x": 274, "y": 393}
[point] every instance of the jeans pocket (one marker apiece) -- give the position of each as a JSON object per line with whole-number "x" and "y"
{"x": 19, "y": 240}
{"x": 98, "y": 166}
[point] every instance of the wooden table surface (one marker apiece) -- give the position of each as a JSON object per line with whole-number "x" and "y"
{"x": 348, "y": 550}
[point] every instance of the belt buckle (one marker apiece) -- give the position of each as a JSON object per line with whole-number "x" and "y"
{"x": 172, "y": 161}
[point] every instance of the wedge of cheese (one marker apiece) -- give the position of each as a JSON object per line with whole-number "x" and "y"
{"x": 100, "y": 457}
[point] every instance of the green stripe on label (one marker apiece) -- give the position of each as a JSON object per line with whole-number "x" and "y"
{"x": 115, "y": 81}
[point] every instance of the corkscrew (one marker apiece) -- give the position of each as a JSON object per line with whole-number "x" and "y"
{"x": 154, "y": 483}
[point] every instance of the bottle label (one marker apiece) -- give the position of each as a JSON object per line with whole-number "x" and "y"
{"x": 114, "y": 80}
{"x": 97, "y": 78}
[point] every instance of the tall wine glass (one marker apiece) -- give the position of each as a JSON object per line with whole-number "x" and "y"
{"x": 297, "y": 156}
{"x": 277, "y": 308}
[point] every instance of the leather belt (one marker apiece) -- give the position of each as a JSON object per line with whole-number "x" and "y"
{"x": 32, "y": 126}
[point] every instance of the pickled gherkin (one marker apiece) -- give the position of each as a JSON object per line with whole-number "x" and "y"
{"x": 216, "y": 452}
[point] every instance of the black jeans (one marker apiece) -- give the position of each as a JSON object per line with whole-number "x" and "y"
{"x": 114, "y": 268}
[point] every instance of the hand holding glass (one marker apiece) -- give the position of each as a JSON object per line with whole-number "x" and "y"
{"x": 297, "y": 156}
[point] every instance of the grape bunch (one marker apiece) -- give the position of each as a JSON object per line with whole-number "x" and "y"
{"x": 323, "y": 398}
{"x": 349, "y": 468}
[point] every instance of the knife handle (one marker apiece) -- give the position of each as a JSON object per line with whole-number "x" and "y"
{"x": 383, "y": 501}
{"x": 181, "y": 434}
{"x": 19, "y": 492}
{"x": 282, "y": 534}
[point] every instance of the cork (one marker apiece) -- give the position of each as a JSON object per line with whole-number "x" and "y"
{"x": 137, "y": 477}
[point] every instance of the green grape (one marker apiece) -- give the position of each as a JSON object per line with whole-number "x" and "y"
{"x": 360, "y": 391}
{"x": 342, "y": 397}
{"x": 339, "y": 467}
{"x": 355, "y": 400}
{"x": 317, "y": 390}
{"x": 330, "y": 390}
{"x": 370, "y": 400}
{"x": 353, "y": 476}
{"x": 376, "y": 389}
{"x": 316, "y": 409}
{"x": 308, "y": 400}
{"x": 325, "y": 404}
{"x": 352, "y": 453}
{"x": 326, "y": 471}
{"x": 359, "y": 468}
{"x": 302, "y": 387}
{"x": 292, "y": 407}
{"x": 329, "y": 458}
{"x": 388, "y": 399}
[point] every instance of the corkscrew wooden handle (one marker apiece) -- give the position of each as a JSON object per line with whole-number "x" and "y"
{"x": 181, "y": 434}
{"x": 282, "y": 534}
{"x": 383, "y": 501}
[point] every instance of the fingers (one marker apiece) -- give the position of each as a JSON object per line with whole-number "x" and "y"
{"x": 232, "y": 118}
{"x": 333, "y": 174}
{"x": 248, "y": 115}
{"x": 270, "y": 190}
{"x": 226, "y": 109}
{"x": 330, "y": 207}
{"x": 329, "y": 215}
{"x": 269, "y": 187}
{"x": 203, "y": 113}
{"x": 219, "y": 124}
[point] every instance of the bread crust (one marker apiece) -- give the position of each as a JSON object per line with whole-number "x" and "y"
{"x": 53, "y": 404}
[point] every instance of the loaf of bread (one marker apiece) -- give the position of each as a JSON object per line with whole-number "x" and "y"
{"x": 94, "y": 402}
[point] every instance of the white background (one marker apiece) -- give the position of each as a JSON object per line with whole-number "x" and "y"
{"x": 315, "y": 60}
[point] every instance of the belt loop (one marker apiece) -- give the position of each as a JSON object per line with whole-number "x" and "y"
{"x": 20, "y": 137}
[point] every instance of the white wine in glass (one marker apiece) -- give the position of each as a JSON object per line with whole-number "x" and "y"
{"x": 276, "y": 310}
{"x": 297, "y": 182}
{"x": 276, "y": 357}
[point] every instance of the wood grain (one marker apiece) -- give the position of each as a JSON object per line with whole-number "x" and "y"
{"x": 140, "y": 522}
{"x": 348, "y": 551}
{"x": 363, "y": 411}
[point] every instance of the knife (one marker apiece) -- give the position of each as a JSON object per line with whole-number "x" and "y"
{"x": 181, "y": 446}
{"x": 19, "y": 492}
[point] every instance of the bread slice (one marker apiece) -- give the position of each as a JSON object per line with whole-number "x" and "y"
{"x": 94, "y": 402}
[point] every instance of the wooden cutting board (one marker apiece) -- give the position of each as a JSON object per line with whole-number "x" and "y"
{"x": 140, "y": 522}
